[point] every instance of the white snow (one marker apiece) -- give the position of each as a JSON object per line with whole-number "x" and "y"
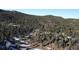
{"x": 23, "y": 45}
{"x": 16, "y": 38}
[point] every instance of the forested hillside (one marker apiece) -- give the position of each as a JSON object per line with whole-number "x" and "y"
{"x": 44, "y": 32}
